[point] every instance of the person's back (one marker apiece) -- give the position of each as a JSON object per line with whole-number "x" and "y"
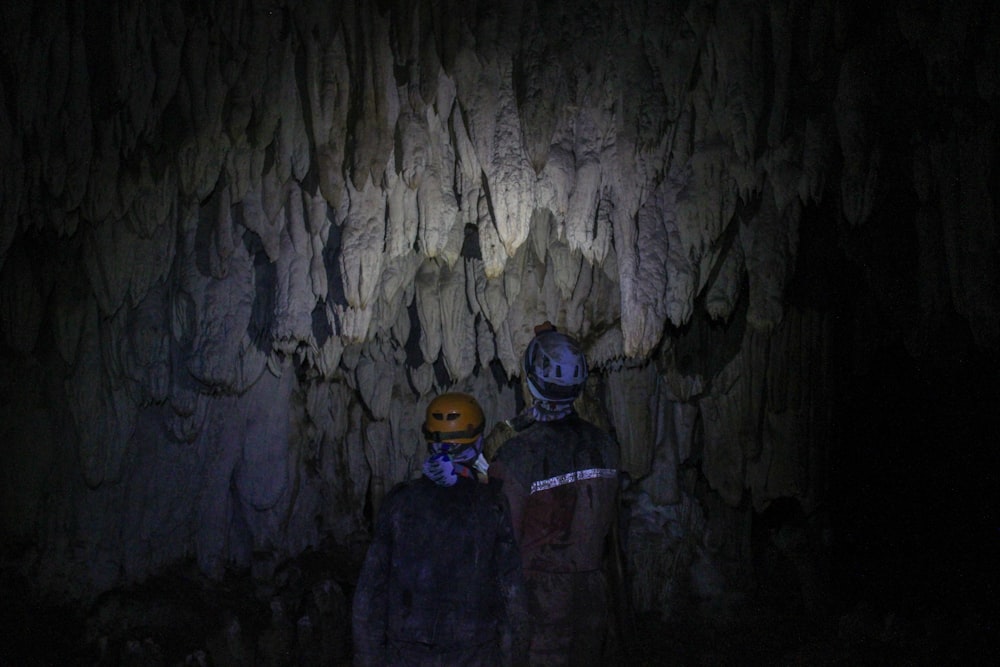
{"x": 568, "y": 471}
{"x": 441, "y": 583}
{"x": 561, "y": 481}
{"x": 560, "y": 476}
{"x": 432, "y": 573}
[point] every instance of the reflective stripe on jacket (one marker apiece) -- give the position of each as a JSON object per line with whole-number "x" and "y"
{"x": 561, "y": 480}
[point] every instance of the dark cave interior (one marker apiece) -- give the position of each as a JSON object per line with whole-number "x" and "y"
{"x": 898, "y": 565}
{"x": 911, "y": 538}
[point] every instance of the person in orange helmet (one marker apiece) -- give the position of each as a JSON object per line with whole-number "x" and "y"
{"x": 441, "y": 583}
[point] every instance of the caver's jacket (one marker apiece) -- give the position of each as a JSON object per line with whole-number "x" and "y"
{"x": 561, "y": 480}
{"x": 441, "y": 583}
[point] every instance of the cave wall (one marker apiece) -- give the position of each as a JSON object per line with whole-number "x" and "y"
{"x": 242, "y": 244}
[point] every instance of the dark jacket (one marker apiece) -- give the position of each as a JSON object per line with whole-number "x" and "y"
{"x": 441, "y": 583}
{"x": 561, "y": 481}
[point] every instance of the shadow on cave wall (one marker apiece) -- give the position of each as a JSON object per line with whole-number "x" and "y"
{"x": 916, "y": 516}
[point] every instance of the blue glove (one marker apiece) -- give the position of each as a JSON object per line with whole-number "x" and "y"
{"x": 440, "y": 470}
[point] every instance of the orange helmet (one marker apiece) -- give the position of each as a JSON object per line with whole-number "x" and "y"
{"x": 454, "y": 417}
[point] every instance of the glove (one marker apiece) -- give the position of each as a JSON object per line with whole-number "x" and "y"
{"x": 440, "y": 469}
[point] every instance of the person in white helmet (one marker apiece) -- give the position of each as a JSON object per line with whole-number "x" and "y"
{"x": 441, "y": 583}
{"x": 560, "y": 475}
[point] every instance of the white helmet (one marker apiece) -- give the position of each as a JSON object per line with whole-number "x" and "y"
{"x": 554, "y": 366}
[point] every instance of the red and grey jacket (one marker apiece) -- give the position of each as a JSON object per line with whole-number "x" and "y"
{"x": 561, "y": 480}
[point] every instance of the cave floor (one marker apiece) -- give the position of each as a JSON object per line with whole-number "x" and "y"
{"x": 769, "y": 629}
{"x": 760, "y": 636}
{"x": 864, "y": 635}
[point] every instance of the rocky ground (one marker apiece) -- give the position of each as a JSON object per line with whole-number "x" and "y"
{"x": 302, "y": 620}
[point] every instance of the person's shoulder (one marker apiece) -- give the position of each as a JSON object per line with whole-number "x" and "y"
{"x": 405, "y": 490}
{"x": 492, "y": 494}
{"x": 590, "y": 426}
{"x": 515, "y": 445}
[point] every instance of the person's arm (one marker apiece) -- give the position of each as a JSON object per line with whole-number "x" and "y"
{"x": 514, "y": 491}
{"x": 370, "y": 606}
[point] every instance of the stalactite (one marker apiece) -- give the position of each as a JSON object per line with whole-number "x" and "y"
{"x": 396, "y": 291}
{"x": 378, "y": 468}
{"x": 374, "y": 383}
{"x": 294, "y": 297}
{"x": 146, "y": 350}
{"x": 412, "y": 148}
{"x": 526, "y": 298}
{"x": 325, "y": 354}
{"x": 402, "y": 220}
{"x": 352, "y": 323}
{"x": 318, "y": 224}
{"x": 607, "y": 349}
{"x": 769, "y": 243}
{"x": 510, "y": 176}
{"x": 486, "y": 347}
{"x": 154, "y": 200}
{"x": 577, "y": 318}
{"x": 21, "y": 303}
{"x": 11, "y": 179}
{"x": 707, "y": 200}
{"x": 328, "y": 92}
{"x": 934, "y": 286}
{"x": 440, "y": 233}
{"x": 666, "y": 288}
{"x": 106, "y": 247}
{"x": 636, "y": 339}
{"x": 218, "y": 318}
{"x": 738, "y": 44}
{"x": 797, "y": 379}
{"x": 629, "y": 400}
{"x": 219, "y": 447}
{"x": 69, "y": 304}
{"x": 590, "y": 129}
{"x": 262, "y": 471}
{"x": 674, "y": 433}
{"x": 489, "y": 294}
{"x": 724, "y": 459}
{"x": 458, "y": 331}
{"x": 102, "y": 410}
{"x": 373, "y": 95}
{"x": 553, "y": 186}
{"x": 856, "y": 99}
{"x": 725, "y": 289}
{"x": 429, "y": 310}
{"x": 491, "y": 246}
{"x": 361, "y": 246}
{"x": 564, "y": 265}
{"x": 782, "y": 15}
{"x": 77, "y": 123}
{"x": 203, "y": 90}
{"x": 963, "y": 184}
{"x": 133, "y": 58}
{"x": 421, "y": 378}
